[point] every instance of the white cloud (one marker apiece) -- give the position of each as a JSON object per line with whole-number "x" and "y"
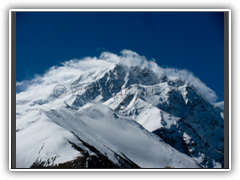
{"x": 220, "y": 104}
{"x": 70, "y": 70}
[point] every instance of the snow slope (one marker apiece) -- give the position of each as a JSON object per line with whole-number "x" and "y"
{"x": 101, "y": 127}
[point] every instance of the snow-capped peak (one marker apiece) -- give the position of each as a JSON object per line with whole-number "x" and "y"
{"x": 126, "y": 116}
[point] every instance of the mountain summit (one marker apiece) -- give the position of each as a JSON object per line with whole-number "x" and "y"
{"x": 120, "y": 117}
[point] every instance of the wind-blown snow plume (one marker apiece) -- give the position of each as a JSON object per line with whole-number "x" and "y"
{"x": 72, "y": 69}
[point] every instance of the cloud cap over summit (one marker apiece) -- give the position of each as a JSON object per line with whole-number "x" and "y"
{"x": 73, "y": 68}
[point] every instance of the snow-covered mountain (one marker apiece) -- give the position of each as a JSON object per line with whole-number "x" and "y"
{"x": 120, "y": 117}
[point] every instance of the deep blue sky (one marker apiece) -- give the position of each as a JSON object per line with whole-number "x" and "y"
{"x": 185, "y": 40}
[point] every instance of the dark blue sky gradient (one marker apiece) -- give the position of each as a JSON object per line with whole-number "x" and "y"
{"x": 185, "y": 40}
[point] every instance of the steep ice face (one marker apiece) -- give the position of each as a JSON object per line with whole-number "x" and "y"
{"x": 136, "y": 75}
